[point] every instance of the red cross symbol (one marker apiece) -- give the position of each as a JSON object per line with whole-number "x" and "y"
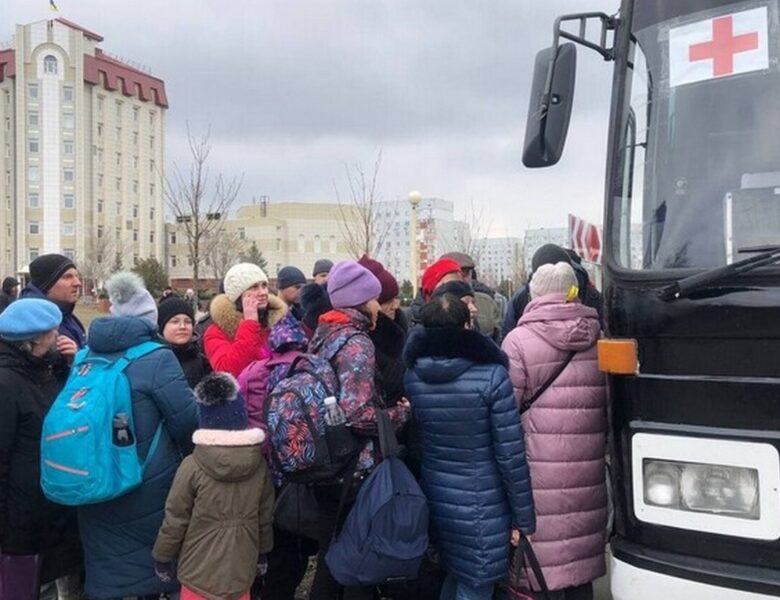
{"x": 723, "y": 47}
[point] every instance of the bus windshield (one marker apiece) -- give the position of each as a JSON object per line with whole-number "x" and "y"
{"x": 699, "y": 162}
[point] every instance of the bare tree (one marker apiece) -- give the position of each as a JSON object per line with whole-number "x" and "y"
{"x": 222, "y": 250}
{"x": 99, "y": 259}
{"x": 363, "y": 228}
{"x": 466, "y": 234}
{"x": 198, "y": 204}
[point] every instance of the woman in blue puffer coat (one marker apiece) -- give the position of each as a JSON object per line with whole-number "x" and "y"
{"x": 474, "y": 471}
{"x": 118, "y": 535}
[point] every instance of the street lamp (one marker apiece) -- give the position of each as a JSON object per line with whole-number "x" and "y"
{"x": 414, "y": 200}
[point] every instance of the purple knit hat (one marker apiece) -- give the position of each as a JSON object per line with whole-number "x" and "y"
{"x": 350, "y": 285}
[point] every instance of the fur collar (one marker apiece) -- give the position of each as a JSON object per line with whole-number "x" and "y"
{"x": 452, "y": 342}
{"x": 221, "y": 437}
{"x": 225, "y": 315}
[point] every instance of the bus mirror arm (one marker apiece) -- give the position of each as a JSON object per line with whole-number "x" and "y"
{"x": 687, "y": 285}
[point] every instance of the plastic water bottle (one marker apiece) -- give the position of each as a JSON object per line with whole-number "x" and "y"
{"x": 122, "y": 435}
{"x": 333, "y": 414}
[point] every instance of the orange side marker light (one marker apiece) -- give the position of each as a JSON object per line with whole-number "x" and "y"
{"x": 618, "y": 357}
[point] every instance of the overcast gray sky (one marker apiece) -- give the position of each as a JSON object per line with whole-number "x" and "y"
{"x": 294, "y": 89}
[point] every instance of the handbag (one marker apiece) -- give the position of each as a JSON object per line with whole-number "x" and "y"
{"x": 297, "y": 511}
{"x": 20, "y": 576}
{"x": 519, "y": 587}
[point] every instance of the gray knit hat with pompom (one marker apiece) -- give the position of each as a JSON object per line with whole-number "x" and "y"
{"x": 130, "y": 298}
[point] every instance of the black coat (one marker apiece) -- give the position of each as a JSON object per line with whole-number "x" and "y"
{"x": 389, "y": 337}
{"x": 5, "y": 300}
{"x": 30, "y": 524}
{"x": 193, "y": 362}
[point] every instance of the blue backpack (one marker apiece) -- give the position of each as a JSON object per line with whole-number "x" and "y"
{"x": 385, "y": 535}
{"x": 83, "y": 458}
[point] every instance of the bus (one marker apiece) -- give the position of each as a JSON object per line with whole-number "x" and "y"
{"x": 691, "y": 285}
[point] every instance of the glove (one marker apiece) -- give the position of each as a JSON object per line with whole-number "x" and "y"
{"x": 262, "y": 565}
{"x": 165, "y": 571}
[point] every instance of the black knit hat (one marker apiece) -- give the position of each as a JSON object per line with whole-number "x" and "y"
{"x": 46, "y": 270}
{"x": 290, "y": 276}
{"x": 549, "y": 254}
{"x": 170, "y": 308}
{"x": 456, "y": 288}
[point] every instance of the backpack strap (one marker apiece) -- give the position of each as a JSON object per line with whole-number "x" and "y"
{"x": 526, "y": 404}
{"x": 141, "y": 349}
{"x": 153, "y": 447}
{"x": 527, "y": 553}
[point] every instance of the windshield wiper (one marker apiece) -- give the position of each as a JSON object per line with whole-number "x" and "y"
{"x": 768, "y": 255}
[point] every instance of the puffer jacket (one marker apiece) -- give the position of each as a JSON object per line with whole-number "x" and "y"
{"x": 29, "y": 523}
{"x": 286, "y": 342}
{"x": 474, "y": 470}
{"x": 231, "y": 342}
{"x": 218, "y": 514}
{"x": 565, "y": 433}
{"x": 118, "y": 535}
{"x": 342, "y": 337}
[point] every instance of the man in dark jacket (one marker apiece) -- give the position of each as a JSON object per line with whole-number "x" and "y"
{"x": 289, "y": 282}
{"x": 55, "y": 277}
{"x": 549, "y": 254}
{"x": 9, "y": 292}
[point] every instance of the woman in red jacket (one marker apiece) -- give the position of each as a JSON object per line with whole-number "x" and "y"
{"x": 241, "y": 320}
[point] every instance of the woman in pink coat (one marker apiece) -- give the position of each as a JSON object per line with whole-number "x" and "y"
{"x": 565, "y": 430}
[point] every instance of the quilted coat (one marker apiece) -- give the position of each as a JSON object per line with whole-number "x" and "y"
{"x": 565, "y": 436}
{"x": 232, "y": 342}
{"x": 342, "y": 337}
{"x": 118, "y": 535}
{"x": 474, "y": 470}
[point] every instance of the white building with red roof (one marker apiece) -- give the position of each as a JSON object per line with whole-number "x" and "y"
{"x": 82, "y": 150}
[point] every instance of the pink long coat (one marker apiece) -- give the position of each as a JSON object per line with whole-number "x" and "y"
{"x": 565, "y": 436}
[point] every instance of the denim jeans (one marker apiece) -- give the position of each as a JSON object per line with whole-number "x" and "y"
{"x": 458, "y": 590}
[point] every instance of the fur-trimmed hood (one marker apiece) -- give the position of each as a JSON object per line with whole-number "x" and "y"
{"x": 442, "y": 354}
{"x": 228, "y": 455}
{"x": 225, "y": 315}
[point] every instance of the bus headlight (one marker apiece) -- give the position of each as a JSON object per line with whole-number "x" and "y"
{"x": 695, "y": 487}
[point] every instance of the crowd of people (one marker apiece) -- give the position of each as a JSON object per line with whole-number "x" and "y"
{"x": 497, "y": 403}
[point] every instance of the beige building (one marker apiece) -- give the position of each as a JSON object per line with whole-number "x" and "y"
{"x": 287, "y": 233}
{"x": 82, "y": 151}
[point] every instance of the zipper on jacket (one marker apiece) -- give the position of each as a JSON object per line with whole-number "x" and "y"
{"x": 68, "y": 433}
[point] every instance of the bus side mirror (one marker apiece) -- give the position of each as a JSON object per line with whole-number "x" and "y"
{"x": 549, "y": 110}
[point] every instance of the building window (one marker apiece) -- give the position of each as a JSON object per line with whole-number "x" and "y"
{"x": 68, "y": 201}
{"x": 301, "y": 243}
{"x": 68, "y": 121}
{"x": 100, "y": 205}
{"x": 100, "y": 179}
{"x": 32, "y": 91}
{"x": 173, "y": 261}
{"x": 173, "y": 238}
{"x": 152, "y": 116}
{"x": 33, "y": 253}
{"x": 135, "y": 211}
{"x": 119, "y": 111}
{"x": 33, "y": 228}
{"x": 118, "y": 159}
{"x": 100, "y": 231}
{"x": 278, "y": 244}
{"x": 151, "y": 142}
{"x": 151, "y": 166}
{"x": 135, "y": 114}
{"x": 69, "y": 253}
{"x": 67, "y": 94}
{"x": 135, "y": 186}
{"x": 332, "y": 243}
{"x": 119, "y": 184}
{"x": 68, "y": 174}
{"x": 118, "y": 209}
{"x": 117, "y": 233}
{"x": 32, "y": 118}
{"x": 151, "y": 237}
{"x": 135, "y": 162}
{"x": 33, "y": 173}
{"x": 151, "y": 213}
{"x": 241, "y": 233}
{"x": 151, "y": 189}
{"x": 68, "y": 228}
{"x": 135, "y": 235}
{"x": 50, "y": 65}
{"x": 67, "y": 146}
{"x": 33, "y": 146}
{"x": 100, "y": 104}
{"x": 135, "y": 139}
{"x": 100, "y": 130}
{"x": 317, "y": 244}
{"x": 118, "y": 134}
{"x": 99, "y": 153}
{"x": 33, "y": 200}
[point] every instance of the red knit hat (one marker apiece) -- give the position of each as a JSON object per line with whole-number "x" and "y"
{"x": 435, "y": 273}
{"x": 389, "y": 283}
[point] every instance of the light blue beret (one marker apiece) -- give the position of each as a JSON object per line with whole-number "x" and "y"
{"x": 27, "y": 318}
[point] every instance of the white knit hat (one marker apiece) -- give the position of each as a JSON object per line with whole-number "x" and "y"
{"x": 553, "y": 279}
{"x": 241, "y": 277}
{"x": 129, "y": 297}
